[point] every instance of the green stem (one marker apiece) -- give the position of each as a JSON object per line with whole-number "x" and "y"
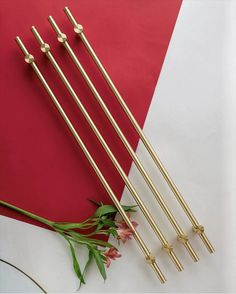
{"x": 27, "y": 213}
{"x": 88, "y": 226}
{"x": 90, "y": 218}
{"x": 100, "y": 232}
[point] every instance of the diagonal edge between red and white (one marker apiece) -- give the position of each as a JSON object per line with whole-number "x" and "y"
{"x": 190, "y": 124}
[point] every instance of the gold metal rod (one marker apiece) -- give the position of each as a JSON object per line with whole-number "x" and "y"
{"x": 149, "y": 258}
{"x": 197, "y": 228}
{"x": 182, "y": 237}
{"x": 45, "y": 48}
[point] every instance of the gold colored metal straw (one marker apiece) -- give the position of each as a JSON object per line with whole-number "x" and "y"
{"x": 197, "y": 228}
{"x": 150, "y": 259}
{"x": 182, "y": 237}
{"x": 45, "y": 48}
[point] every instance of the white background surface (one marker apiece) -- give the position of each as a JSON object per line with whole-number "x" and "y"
{"x": 191, "y": 122}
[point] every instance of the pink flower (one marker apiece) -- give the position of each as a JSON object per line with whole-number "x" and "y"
{"x": 124, "y": 232}
{"x": 111, "y": 254}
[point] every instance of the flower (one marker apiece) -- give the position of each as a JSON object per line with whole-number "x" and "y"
{"x": 100, "y": 223}
{"x": 124, "y": 232}
{"x": 111, "y": 254}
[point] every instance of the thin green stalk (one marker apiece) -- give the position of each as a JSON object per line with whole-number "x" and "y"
{"x": 29, "y": 214}
{"x": 100, "y": 232}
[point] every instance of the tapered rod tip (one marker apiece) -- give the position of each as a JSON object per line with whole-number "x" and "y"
{"x": 77, "y": 28}
{"x": 176, "y": 261}
{"x": 191, "y": 251}
{"x": 21, "y": 45}
{"x": 207, "y": 243}
{"x": 33, "y": 28}
{"x": 159, "y": 273}
{"x": 54, "y": 25}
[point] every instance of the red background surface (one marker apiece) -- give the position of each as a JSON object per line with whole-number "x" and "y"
{"x": 41, "y": 167}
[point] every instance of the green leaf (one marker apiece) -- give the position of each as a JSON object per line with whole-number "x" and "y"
{"x": 103, "y": 222}
{"x": 108, "y": 223}
{"x": 104, "y": 209}
{"x": 111, "y": 209}
{"x": 90, "y": 258}
{"x": 99, "y": 226}
{"x": 68, "y": 226}
{"x": 101, "y": 243}
{"x": 88, "y": 241}
{"x": 129, "y": 208}
{"x": 75, "y": 261}
{"x": 99, "y": 258}
{"x": 113, "y": 232}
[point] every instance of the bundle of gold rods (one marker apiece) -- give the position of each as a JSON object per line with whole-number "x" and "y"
{"x": 197, "y": 228}
{"x": 149, "y": 258}
{"x": 182, "y": 237}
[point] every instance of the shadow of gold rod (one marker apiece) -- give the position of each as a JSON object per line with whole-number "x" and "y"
{"x": 149, "y": 258}
{"x": 45, "y": 48}
{"x": 197, "y": 228}
{"x": 182, "y": 237}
